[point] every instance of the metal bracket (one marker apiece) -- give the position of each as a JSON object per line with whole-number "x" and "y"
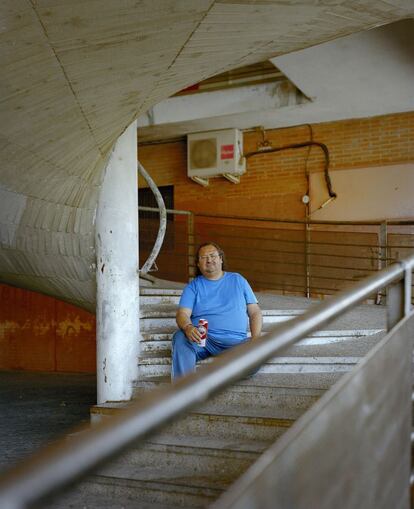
{"x": 200, "y": 180}
{"x": 234, "y": 179}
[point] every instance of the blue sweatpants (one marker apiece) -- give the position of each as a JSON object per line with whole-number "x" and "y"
{"x": 185, "y": 353}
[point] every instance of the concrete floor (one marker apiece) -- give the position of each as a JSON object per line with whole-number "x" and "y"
{"x": 38, "y": 408}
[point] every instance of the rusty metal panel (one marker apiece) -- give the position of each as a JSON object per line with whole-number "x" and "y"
{"x": 351, "y": 450}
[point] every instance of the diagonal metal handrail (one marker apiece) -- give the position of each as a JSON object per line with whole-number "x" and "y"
{"x": 60, "y": 465}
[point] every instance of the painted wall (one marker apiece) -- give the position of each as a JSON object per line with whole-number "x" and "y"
{"x": 39, "y": 333}
{"x": 367, "y": 194}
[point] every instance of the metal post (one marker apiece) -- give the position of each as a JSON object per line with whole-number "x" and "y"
{"x": 407, "y": 290}
{"x": 399, "y": 298}
{"x": 395, "y": 304}
{"x": 382, "y": 254}
{"x": 307, "y": 258}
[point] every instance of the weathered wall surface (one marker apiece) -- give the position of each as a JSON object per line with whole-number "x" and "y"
{"x": 43, "y": 334}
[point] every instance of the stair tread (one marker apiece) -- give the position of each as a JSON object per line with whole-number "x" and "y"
{"x": 163, "y": 329}
{"x": 346, "y": 348}
{"x": 114, "y": 408}
{"x": 138, "y": 487}
{"x": 213, "y": 444}
{"x": 315, "y": 380}
{"x": 342, "y": 335}
{"x": 253, "y": 385}
{"x": 160, "y": 291}
{"x": 164, "y": 357}
{"x": 173, "y": 476}
{"x": 154, "y": 310}
{"x": 227, "y": 410}
{"x": 183, "y": 464}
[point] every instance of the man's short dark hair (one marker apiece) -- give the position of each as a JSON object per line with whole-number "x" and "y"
{"x": 219, "y": 250}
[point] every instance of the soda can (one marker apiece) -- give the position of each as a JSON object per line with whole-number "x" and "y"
{"x": 203, "y": 329}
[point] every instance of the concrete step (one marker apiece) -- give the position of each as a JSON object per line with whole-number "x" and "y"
{"x": 277, "y": 403}
{"x": 309, "y": 365}
{"x": 157, "y": 366}
{"x": 324, "y": 343}
{"x": 317, "y": 338}
{"x": 164, "y": 310}
{"x": 198, "y": 456}
{"x": 159, "y": 300}
{"x": 103, "y": 492}
{"x": 211, "y": 466}
{"x": 323, "y": 351}
{"x": 153, "y": 291}
{"x": 292, "y": 380}
{"x": 230, "y": 428}
{"x": 251, "y": 399}
{"x": 260, "y": 397}
{"x": 156, "y": 357}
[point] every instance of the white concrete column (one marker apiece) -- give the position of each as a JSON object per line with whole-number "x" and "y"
{"x": 117, "y": 301}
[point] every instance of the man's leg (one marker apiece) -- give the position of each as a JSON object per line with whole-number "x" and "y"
{"x": 185, "y": 354}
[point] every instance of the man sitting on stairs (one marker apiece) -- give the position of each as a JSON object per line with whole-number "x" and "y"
{"x": 225, "y": 300}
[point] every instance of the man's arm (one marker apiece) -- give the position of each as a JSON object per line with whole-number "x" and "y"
{"x": 183, "y": 319}
{"x": 255, "y": 320}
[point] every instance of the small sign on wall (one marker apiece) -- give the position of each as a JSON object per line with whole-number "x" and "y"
{"x": 227, "y": 152}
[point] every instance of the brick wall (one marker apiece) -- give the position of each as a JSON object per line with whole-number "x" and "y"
{"x": 272, "y": 188}
{"x": 274, "y": 183}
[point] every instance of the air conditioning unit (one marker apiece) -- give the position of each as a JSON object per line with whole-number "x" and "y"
{"x": 215, "y": 154}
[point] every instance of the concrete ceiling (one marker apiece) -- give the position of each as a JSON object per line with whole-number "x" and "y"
{"x": 76, "y": 73}
{"x": 359, "y": 75}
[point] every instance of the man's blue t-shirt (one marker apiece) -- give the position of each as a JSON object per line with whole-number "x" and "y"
{"x": 223, "y": 303}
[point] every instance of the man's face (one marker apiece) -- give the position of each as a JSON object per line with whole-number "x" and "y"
{"x": 210, "y": 262}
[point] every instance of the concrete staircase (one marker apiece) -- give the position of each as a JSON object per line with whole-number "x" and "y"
{"x": 199, "y": 456}
{"x": 325, "y": 351}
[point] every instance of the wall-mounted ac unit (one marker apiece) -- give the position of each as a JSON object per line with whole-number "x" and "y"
{"x": 214, "y": 154}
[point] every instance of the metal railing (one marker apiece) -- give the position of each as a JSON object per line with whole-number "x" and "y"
{"x": 150, "y": 262}
{"x": 60, "y": 465}
{"x": 313, "y": 259}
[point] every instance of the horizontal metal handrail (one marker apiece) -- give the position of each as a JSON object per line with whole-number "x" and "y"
{"x": 389, "y": 222}
{"x": 169, "y": 211}
{"x": 61, "y": 464}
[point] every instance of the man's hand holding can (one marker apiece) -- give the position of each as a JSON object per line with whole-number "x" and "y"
{"x": 197, "y": 334}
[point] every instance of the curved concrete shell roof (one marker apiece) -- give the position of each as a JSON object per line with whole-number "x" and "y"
{"x": 75, "y": 74}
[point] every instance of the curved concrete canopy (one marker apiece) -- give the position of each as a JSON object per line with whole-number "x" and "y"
{"x": 76, "y": 74}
